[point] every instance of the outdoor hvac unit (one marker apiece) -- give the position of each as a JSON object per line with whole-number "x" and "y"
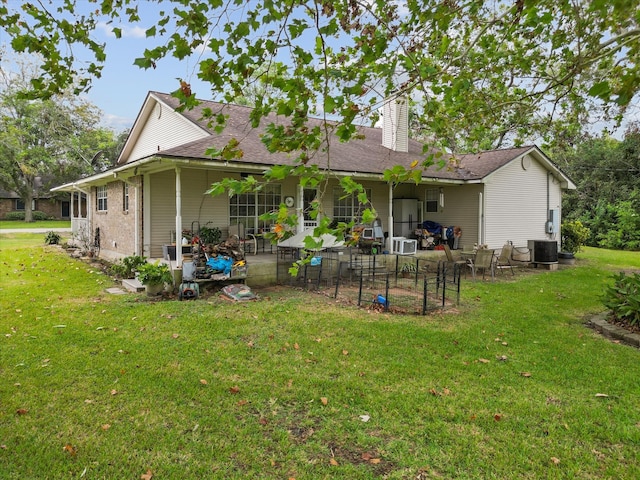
{"x": 543, "y": 251}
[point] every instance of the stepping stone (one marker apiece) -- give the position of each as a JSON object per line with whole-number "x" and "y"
{"x": 116, "y": 291}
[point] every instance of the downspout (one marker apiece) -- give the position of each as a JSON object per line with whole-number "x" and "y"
{"x": 548, "y": 228}
{"x": 178, "y": 218}
{"x": 390, "y": 220}
{"x": 480, "y": 219}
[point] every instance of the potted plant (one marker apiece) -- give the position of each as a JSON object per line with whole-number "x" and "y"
{"x": 210, "y": 235}
{"x": 154, "y": 276}
{"x": 574, "y": 236}
{"x": 407, "y": 270}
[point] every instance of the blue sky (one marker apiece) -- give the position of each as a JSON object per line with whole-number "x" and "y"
{"x": 121, "y": 90}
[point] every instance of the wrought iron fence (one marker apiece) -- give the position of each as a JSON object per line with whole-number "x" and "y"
{"x": 401, "y": 284}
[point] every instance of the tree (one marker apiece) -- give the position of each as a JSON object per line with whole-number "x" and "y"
{"x": 481, "y": 74}
{"x": 607, "y": 200}
{"x": 45, "y": 142}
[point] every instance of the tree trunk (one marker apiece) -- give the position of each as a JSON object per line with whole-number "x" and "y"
{"x": 28, "y": 204}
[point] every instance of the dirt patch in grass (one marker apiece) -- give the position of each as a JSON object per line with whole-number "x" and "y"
{"x": 342, "y": 454}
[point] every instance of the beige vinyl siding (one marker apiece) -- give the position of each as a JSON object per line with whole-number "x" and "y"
{"x": 516, "y": 204}
{"x": 168, "y": 131}
{"x": 460, "y": 210}
{"x": 196, "y": 205}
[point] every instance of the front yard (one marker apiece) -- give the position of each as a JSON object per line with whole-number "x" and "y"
{"x": 511, "y": 384}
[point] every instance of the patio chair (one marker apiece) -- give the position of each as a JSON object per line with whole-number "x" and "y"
{"x": 456, "y": 264}
{"x": 504, "y": 259}
{"x": 247, "y": 241}
{"x": 484, "y": 259}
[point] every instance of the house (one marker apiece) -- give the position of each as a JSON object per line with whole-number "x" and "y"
{"x": 157, "y": 187}
{"x": 43, "y": 201}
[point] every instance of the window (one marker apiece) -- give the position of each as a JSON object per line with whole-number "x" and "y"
{"x": 246, "y": 208}
{"x": 125, "y": 196}
{"x": 432, "y": 200}
{"x": 347, "y": 208}
{"x": 20, "y": 204}
{"x": 101, "y": 198}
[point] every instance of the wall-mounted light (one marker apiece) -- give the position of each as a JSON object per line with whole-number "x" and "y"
{"x": 441, "y": 197}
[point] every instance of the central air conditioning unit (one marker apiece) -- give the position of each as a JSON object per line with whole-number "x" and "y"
{"x": 543, "y": 251}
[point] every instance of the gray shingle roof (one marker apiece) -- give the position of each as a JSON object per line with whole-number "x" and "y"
{"x": 363, "y": 155}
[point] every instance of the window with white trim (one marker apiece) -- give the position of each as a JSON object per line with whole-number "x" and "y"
{"x": 246, "y": 208}
{"x": 347, "y": 207}
{"x": 431, "y": 203}
{"x": 101, "y": 198}
{"x": 125, "y": 197}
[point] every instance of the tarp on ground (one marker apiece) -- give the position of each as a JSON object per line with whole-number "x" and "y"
{"x": 297, "y": 241}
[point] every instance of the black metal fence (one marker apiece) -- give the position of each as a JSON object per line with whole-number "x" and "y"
{"x": 400, "y": 284}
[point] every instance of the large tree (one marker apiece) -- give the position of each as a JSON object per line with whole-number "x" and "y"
{"x": 481, "y": 74}
{"x": 607, "y": 200}
{"x": 46, "y": 142}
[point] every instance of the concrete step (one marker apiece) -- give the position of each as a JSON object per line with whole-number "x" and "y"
{"x": 133, "y": 285}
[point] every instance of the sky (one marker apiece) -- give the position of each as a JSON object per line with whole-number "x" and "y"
{"x": 121, "y": 90}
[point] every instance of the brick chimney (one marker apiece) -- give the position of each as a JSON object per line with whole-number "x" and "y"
{"x": 395, "y": 123}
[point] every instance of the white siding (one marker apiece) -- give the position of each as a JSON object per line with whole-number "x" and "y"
{"x": 168, "y": 131}
{"x": 516, "y": 203}
{"x": 460, "y": 210}
{"x": 196, "y": 205}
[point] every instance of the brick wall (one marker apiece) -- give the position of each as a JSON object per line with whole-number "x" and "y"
{"x": 51, "y": 207}
{"x": 117, "y": 225}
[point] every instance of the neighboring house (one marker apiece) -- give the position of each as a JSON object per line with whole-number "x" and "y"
{"x": 43, "y": 202}
{"x": 158, "y": 185}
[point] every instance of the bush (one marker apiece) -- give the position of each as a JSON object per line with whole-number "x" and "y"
{"x": 154, "y": 274}
{"x": 210, "y": 235}
{"x": 623, "y": 298}
{"x": 52, "y": 238}
{"x": 37, "y": 216}
{"x": 128, "y": 266}
{"x": 574, "y": 236}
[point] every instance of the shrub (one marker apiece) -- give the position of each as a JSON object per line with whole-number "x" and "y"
{"x": 154, "y": 274}
{"x": 52, "y": 238}
{"x": 574, "y": 236}
{"x": 128, "y": 266}
{"x": 37, "y": 216}
{"x": 623, "y": 298}
{"x": 210, "y": 235}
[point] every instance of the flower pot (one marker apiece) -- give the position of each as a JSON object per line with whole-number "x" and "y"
{"x": 154, "y": 289}
{"x": 566, "y": 258}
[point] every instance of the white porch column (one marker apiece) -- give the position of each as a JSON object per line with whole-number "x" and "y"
{"x": 178, "y": 219}
{"x": 390, "y": 220}
{"x": 146, "y": 217}
{"x": 136, "y": 217}
{"x": 300, "y": 208}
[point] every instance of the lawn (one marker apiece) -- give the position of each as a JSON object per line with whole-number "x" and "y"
{"x": 509, "y": 385}
{"x": 11, "y": 224}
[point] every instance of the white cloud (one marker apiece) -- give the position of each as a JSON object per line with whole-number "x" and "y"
{"x": 128, "y": 31}
{"x": 116, "y": 122}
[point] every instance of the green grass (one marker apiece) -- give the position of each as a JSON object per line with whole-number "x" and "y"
{"x": 11, "y": 224}
{"x": 10, "y": 241}
{"x": 212, "y": 389}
